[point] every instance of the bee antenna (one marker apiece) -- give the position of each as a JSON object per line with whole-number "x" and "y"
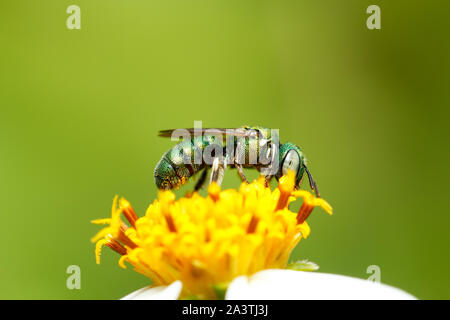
{"x": 312, "y": 183}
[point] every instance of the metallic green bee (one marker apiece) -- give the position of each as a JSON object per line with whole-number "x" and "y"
{"x": 245, "y": 147}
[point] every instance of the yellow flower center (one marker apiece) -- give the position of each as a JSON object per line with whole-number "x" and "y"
{"x": 207, "y": 241}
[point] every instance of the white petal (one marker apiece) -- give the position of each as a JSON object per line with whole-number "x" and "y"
{"x": 298, "y": 285}
{"x": 170, "y": 292}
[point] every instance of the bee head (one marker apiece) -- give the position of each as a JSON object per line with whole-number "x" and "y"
{"x": 292, "y": 158}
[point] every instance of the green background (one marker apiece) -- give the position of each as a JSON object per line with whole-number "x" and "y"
{"x": 80, "y": 110}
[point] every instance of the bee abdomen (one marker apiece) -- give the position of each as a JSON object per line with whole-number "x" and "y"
{"x": 175, "y": 168}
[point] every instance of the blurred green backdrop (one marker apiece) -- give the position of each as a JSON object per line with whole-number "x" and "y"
{"x": 80, "y": 110}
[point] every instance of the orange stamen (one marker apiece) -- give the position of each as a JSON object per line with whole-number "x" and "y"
{"x": 304, "y": 212}
{"x": 128, "y": 211}
{"x": 116, "y": 246}
{"x": 252, "y": 225}
{"x": 123, "y": 238}
{"x": 286, "y": 186}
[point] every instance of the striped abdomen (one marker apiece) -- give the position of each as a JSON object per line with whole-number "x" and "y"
{"x": 181, "y": 162}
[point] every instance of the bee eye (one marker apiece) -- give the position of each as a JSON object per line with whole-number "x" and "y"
{"x": 291, "y": 162}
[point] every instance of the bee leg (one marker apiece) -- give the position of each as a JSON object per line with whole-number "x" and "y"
{"x": 218, "y": 168}
{"x": 241, "y": 172}
{"x": 201, "y": 180}
{"x": 267, "y": 181}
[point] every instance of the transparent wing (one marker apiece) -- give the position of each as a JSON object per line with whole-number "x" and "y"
{"x": 240, "y": 132}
